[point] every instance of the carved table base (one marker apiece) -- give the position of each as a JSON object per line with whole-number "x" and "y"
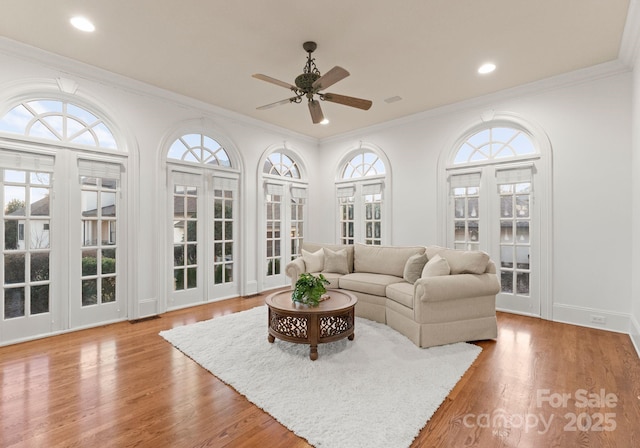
{"x": 330, "y": 321}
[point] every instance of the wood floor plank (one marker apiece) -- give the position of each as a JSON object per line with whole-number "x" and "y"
{"x": 122, "y": 385}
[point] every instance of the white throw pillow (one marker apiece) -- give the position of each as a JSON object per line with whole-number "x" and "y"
{"x": 435, "y": 267}
{"x": 335, "y": 261}
{"x": 313, "y": 261}
{"x": 413, "y": 267}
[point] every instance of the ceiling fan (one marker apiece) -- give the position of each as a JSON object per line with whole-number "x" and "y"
{"x": 310, "y": 83}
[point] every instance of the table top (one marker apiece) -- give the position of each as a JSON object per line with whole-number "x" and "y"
{"x": 339, "y": 300}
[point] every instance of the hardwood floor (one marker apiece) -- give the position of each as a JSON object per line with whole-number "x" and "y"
{"x": 122, "y": 385}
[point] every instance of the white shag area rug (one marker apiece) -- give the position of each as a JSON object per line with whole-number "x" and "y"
{"x": 378, "y": 390}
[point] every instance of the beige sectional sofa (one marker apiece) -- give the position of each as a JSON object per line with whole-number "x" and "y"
{"x": 432, "y": 295}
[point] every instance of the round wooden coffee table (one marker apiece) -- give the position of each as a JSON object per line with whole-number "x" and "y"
{"x": 331, "y": 320}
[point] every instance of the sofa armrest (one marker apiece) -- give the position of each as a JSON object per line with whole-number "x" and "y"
{"x": 459, "y": 286}
{"x": 293, "y": 270}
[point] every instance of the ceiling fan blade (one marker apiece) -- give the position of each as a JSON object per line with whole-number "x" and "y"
{"x": 275, "y": 81}
{"x": 330, "y": 78}
{"x": 316, "y": 111}
{"x": 278, "y": 103}
{"x": 347, "y": 100}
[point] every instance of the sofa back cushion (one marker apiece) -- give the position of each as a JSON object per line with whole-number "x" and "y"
{"x": 461, "y": 261}
{"x": 389, "y": 260}
{"x": 313, "y": 261}
{"x": 314, "y": 247}
{"x": 335, "y": 261}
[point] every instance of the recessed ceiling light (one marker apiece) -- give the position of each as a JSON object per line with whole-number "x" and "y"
{"x": 325, "y": 121}
{"x": 83, "y": 24}
{"x": 486, "y": 68}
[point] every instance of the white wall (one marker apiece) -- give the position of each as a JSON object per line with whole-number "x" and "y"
{"x": 588, "y": 123}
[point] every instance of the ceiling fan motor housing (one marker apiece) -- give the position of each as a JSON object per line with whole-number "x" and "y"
{"x": 305, "y": 81}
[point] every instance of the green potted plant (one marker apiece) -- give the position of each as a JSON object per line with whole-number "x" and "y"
{"x": 309, "y": 289}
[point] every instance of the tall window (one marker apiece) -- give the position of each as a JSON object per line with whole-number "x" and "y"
{"x": 285, "y": 199}
{"x": 360, "y": 199}
{"x": 491, "y": 181}
{"x": 69, "y": 261}
{"x": 204, "y": 223}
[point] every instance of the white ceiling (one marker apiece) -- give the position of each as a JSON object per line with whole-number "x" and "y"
{"x": 425, "y": 51}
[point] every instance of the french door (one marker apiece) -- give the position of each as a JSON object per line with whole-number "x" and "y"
{"x": 493, "y": 209}
{"x": 285, "y": 209}
{"x": 203, "y": 238}
{"x": 63, "y": 267}
{"x": 97, "y": 244}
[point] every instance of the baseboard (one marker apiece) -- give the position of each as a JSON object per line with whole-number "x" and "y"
{"x": 250, "y": 288}
{"x": 584, "y": 317}
{"x": 635, "y": 334}
{"x": 147, "y": 307}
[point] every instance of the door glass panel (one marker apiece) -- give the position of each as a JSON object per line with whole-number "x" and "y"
{"x": 14, "y": 303}
{"x": 223, "y": 264}
{"x": 372, "y": 219}
{"x": 185, "y": 237}
{"x": 99, "y": 209}
{"x": 466, "y": 226}
{"x": 39, "y": 299}
{"x": 26, "y": 250}
{"x": 346, "y": 220}
{"x": 515, "y": 252}
{"x": 89, "y": 292}
{"x": 273, "y": 203}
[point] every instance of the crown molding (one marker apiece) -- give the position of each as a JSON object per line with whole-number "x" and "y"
{"x": 75, "y": 70}
{"x": 576, "y": 77}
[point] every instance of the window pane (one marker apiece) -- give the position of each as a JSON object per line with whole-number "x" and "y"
{"x": 89, "y": 292}
{"x": 506, "y": 281}
{"x": 14, "y": 267}
{"x": 522, "y": 231}
{"x": 178, "y": 255}
{"x": 192, "y": 278}
{"x": 522, "y": 255}
{"x": 39, "y": 267}
{"x": 14, "y": 303}
{"x": 39, "y": 299}
{"x": 89, "y": 262}
{"x": 506, "y": 256}
{"x": 11, "y": 235}
{"x": 108, "y": 289}
{"x": 522, "y": 283}
{"x": 506, "y": 231}
{"x": 108, "y": 261}
{"x": 506, "y": 207}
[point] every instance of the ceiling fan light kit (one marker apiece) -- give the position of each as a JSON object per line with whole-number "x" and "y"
{"x": 310, "y": 83}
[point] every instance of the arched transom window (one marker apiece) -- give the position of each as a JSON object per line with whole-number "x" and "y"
{"x": 362, "y": 165}
{"x": 58, "y": 121}
{"x": 200, "y": 149}
{"x": 280, "y": 164}
{"x": 494, "y": 143}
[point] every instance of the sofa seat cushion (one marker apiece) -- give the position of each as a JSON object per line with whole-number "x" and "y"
{"x": 333, "y": 278}
{"x": 375, "y": 284}
{"x": 401, "y": 293}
